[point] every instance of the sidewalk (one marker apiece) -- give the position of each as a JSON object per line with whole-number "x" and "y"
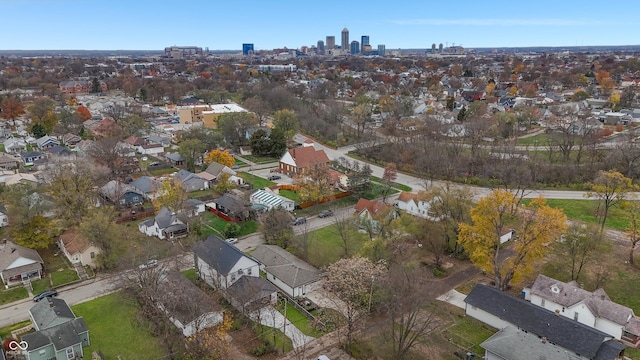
{"x": 270, "y": 316}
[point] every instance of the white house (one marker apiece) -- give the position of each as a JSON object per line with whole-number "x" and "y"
{"x": 506, "y": 234}
{"x": 165, "y": 225}
{"x": 150, "y": 149}
{"x": 4, "y": 218}
{"x": 415, "y": 204}
{"x": 221, "y": 264}
{"x": 289, "y": 273}
{"x": 77, "y": 248}
{"x": 271, "y": 200}
{"x": 593, "y": 309}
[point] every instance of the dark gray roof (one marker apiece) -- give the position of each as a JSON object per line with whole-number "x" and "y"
{"x": 559, "y": 330}
{"x": 184, "y": 300}
{"x": 166, "y": 217}
{"x": 512, "y": 343}
{"x": 174, "y": 156}
{"x": 250, "y": 288}
{"x": 285, "y": 266}
{"x": 49, "y": 312}
{"x": 10, "y": 252}
{"x": 230, "y": 202}
{"x": 146, "y": 184}
{"x": 61, "y": 336}
{"x": 28, "y": 154}
{"x": 219, "y": 254}
{"x": 189, "y": 203}
{"x": 114, "y": 190}
{"x": 61, "y": 151}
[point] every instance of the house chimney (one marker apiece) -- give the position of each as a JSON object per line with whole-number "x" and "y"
{"x": 544, "y": 339}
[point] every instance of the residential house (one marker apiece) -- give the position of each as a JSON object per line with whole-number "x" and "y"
{"x": 46, "y": 142}
{"x": 286, "y": 271}
{"x": 8, "y": 162}
{"x": 269, "y": 200}
{"x": 83, "y": 148}
{"x": 188, "y": 307}
{"x": 191, "y": 182}
{"x": 150, "y": 149}
{"x": 69, "y": 139}
{"x": 502, "y": 311}
{"x": 165, "y": 225}
{"x": 165, "y": 141}
{"x": 4, "y": 216}
{"x": 193, "y": 207}
{"x": 246, "y": 150}
{"x": 233, "y": 207}
{"x": 175, "y": 159}
{"x": 77, "y": 248}
{"x": 20, "y": 178}
{"x": 216, "y": 169}
{"x": 369, "y": 212}
{"x": 593, "y": 309}
{"x": 148, "y": 186}
{"x": 133, "y": 142}
{"x": 58, "y": 151}
{"x": 297, "y": 160}
{"x": 59, "y": 334}
{"x": 29, "y": 158}
{"x": 120, "y": 194}
{"x": 223, "y": 266}
{"x": 14, "y": 145}
{"x": 506, "y": 234}
{"x": 18, "y": 263}
{"x": 74, "y": 86}
{"x": 415, "y": 204}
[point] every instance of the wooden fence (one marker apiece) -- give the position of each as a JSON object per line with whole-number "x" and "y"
{"x": 135, "y": 215}
{"x": 222, "y": 215}
{"x": 307, "y": 204}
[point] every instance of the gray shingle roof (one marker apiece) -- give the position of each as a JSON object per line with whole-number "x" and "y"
{"x": 183, "y": 300}
{"x": 511, "y": 343}
{"x": 61, "y": 336}
{"x": 10, "y": 252}
{"x": 219, "y": 254}
{"x": 559, "y": 330}
{"x": 285, "y": 266}
{"x": 250, "y": 288}
{"x": 230, "y": 202}
{"x": 146, "y": 184}
{"x": 49, "y": 312}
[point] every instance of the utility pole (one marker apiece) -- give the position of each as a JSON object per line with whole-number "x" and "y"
{"x": 284, "y": 329}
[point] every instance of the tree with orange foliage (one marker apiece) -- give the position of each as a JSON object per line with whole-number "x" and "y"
{"x": 12, "y": 108}
{"x": 83, "y": 112}
{"x": 220, "y": 156}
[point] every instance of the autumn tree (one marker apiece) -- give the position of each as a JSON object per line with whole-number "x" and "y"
{"x": 451, "y": 206}
{"x": 354, "y": 281}
{"x": 286, "y": 120}
{"x": 388, "y": 177}
{"x": 83, "y": 112}
{"x": 538, "y": 225}
{"x": 98, "y": 227}
{"x": 134, "y": 125}
{"x": 107, "y": 152}
{"x": 11, "y": 108}
{"x": 171, "y": 195}
{"x": 275, "y": 226}
{"x": 234, "y": 126}
{"x": 259, "y": 107}
{"x": 71, "y": 187}
{"x": 314, "y": 184}
{"x": 43, "y": 115}
{"x": 220, "y": 156}
{"x": 192, "y": 151}
{"x": 223, "y": 183}
{"x": 610, "y": 188}
{"x": 633, "y": 228}
{"x": 210, "y": 343}
{"x": 27, "y": 208}
{"x": 580, "y": 246}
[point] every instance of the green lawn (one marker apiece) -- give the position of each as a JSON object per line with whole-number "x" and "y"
{"x": 261, "y": 159}
{"x": 290, "y": 195}
{"x": 300, "y": 320}
{"x": 6, "y": 331}
{"x": 202, "y": 193}
{"x": 115, "y": 330}
{"x": 63, "y": 276}
{"x": 165, "y": 171}
{"x": 393, "y": 184}
{"x": 256, "y": 181}
{"x": 376, "y": 192}
{"x": 191, "y": 274}
{"x": 584, "y": 210}
{"x": 281, "y": 341}
{"x": 219, "y": 224}
{"x": 13, "y": 294}
{"x": 537, "y": 140}
{"x": 468, "y": 333}
{"x": 327, "y": 247}
{"x": 40, "y": 285}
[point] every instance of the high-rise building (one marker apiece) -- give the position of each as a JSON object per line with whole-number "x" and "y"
{"x": 345, "y": 40}
{"x": 355, "y": 47}
{"x": 331, "y": 42}
{"x": 247, "y": 49}
{"x": 440, "y": 48}
{"x": 433, "y": 48}
{"x": 320, "y": 47}
{"x": 180, "y": 52}
{"x": 381, "y": 49}
{"x": 364, "y": 41}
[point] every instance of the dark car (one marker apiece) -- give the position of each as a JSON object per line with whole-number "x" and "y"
{"x": 325, "y": 213}
{"x": 274, "y": 177}
{"x": 45, "y": 294}
{"x": 299, "y": 221}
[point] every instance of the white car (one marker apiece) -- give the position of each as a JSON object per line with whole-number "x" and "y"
{"x": 232, "y": 240}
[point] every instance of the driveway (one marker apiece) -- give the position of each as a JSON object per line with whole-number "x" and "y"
{"x": 271, "y": 317}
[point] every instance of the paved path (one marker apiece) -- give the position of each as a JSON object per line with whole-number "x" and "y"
{"x": 271, "y": 317}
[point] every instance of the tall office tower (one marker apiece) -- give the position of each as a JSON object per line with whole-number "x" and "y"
{"x": 365, "y": 41}
{"x": 382, "y": 49}
{"x": 440, "y": 48}
{"x": 331, "y": 42}
{"x": 433, "y": 48}
{"x": 345, "y": 40}
{"x": 320, "y": 47}
{"x": 247, "y": 49}
{"x": 355, "y": 47}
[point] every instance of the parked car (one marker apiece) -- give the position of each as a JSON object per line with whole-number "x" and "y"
{"x": 232, "y": 240}
{"x": 235, "y": 167}
{"x": 299, "y": 221}
{"x": 45, "y": 294}
{"x": 325, "y": 213}
{"x": 155, "y": 163}
{"x": 274, "y": 177}
{"x": 323, "y": 357}
{"x": 149, "y": 264}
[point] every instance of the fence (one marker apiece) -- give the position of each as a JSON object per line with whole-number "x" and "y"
{"x": 135, "y": 215}
{"x": 307, "y": 204}
{"x": 288, "y": 187}
{"x": 300, "y": 308}
{"x": 222, "y": 215}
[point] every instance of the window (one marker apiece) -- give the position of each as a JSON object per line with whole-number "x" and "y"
{"x": 249, "y": 271}
{"x": 93, "y": 255}
{"x": 239, "y": 272}
{"x": 542, "y": 303}
{"x": 69, "y": 353}
{"x": 233, "y": 278}
{"x": 575, "y": 316}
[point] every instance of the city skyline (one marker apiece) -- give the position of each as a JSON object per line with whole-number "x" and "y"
{"x": 406, "y": 24}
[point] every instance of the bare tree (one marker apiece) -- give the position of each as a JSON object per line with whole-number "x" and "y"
{"x": 343, "y": 225}
{"x": 275, "y": 225}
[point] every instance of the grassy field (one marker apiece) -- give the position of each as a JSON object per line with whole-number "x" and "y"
{"x": 466, "y": 333}
{"x": 261, "y": 159}
{"x": 327, "y": 247}
{"x": 584, "y": 210}
{"x": 191, "y": 274}
{"x": 292, "y": 195}
{"x": 5, "y": 332}
{"x": 63, "y": 276}
{"x": 13, "y": 294}
{"x": 301, "y": 321}
{"x": 219, "y": 224}
{"x": 115, "y": 330}
{"x": 537, "y": 140}
{"x": 256, "y": 181}
{"x": 394, "y": 185}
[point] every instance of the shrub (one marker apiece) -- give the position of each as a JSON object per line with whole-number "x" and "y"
{"x": 231, "y": 230}
{"x": 264, "y": 349}
{"x": 438, "y": 272}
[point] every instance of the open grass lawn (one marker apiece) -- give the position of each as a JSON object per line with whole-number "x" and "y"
{"x": 300, "y": 320}
{"x": 261, "y": 159}
{"x": 290, "y": 195}
{"x": 332, "y": 205}
{"x": 537, "y": 140}
{"x": 219, "y": 224}
{"x": 256, "y": 181}
{"x": 191, "y": 274}
{"x": 5, "y": 332}
{"x": 584, "y": 210}
{"x": 40, "y": 285}
{"x": 115, "y": 330}
{"x": 376, "y": 191}
{"x": 13, "y": 294}
{"x": 202, "y": 193}
{"x": 327, "y": 247}
{"x": 393, "y": 184}
{"x": 162, "y": 171}
{"x": 63, "y": 276}
{"x": 465, "y": 332}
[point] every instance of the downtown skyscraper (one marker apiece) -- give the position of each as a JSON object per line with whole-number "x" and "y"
{"x": 345, "y": 40}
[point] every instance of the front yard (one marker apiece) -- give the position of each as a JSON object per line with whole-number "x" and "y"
{"x": 327, "y": 246}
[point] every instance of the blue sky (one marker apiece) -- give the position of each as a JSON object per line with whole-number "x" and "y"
{"x": 225, "y": 25}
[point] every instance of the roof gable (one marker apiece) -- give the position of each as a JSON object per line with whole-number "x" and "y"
{"x": 218, "y": 254}
{"x": 286, "y": 266}
{"x": 308, "y": 156}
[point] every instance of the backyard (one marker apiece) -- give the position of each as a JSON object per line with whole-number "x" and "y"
{"x": 327, "y": 246}
{"x": 585, "y": 210}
